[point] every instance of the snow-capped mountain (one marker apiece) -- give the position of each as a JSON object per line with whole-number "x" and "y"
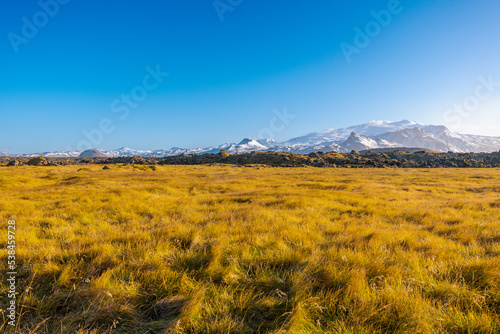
{"x": 466, "y": 143}
{"x": 372, "y": 135}
{"x": 416, "y": 137}
{"x": 57, "y": 154}
{"x": 385, "y": 134}
{"x": 246, "y": 145}
{"x": 357, "y": 142}
{"x": 124, "y": 151}
{"x": 267, "y": 142}
{"x": 339, "y": 135}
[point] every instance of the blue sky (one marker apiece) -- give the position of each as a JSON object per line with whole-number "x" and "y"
{"x": 227, "y": 78}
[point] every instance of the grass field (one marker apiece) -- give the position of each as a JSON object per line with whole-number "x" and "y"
{"x": 200, "y": 249}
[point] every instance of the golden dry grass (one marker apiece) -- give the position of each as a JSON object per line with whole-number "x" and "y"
{"x": 203, "y": 249}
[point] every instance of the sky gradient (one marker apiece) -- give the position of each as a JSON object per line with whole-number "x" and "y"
{"x": 91, "y": 67}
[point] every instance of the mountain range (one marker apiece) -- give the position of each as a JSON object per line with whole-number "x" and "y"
{"x": 374, "y": 135}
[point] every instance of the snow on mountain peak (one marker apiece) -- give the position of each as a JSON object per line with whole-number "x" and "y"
{"x": 248, "y": 141}
{"x": 267, "y": 142}
{"x": 358, "y": 142}
{"x": 246, "y": 145}
{"x": 375, "y": 134}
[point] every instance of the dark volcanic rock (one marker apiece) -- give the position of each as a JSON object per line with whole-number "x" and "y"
{"x": 372, "y": 159}
{"x": 38, "y": 161}
{"x": 402, "y": 149}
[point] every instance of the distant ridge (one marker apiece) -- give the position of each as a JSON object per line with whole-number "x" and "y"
{"x": 374, "y": 135}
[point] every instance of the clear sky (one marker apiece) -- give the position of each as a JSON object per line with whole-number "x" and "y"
{"x": 70, "y": 67}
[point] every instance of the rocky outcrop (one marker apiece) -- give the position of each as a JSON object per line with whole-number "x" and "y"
{"x": 370, "y": 159}
{"x": 38, "y": 161}
{"x": 223, "y": 153}
{"x": 401, "y": 159}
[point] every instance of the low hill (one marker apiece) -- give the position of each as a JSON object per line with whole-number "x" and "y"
{"x": 92, "y": 153}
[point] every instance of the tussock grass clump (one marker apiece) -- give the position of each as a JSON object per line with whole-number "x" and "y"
{"x": 220, "y": 249}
